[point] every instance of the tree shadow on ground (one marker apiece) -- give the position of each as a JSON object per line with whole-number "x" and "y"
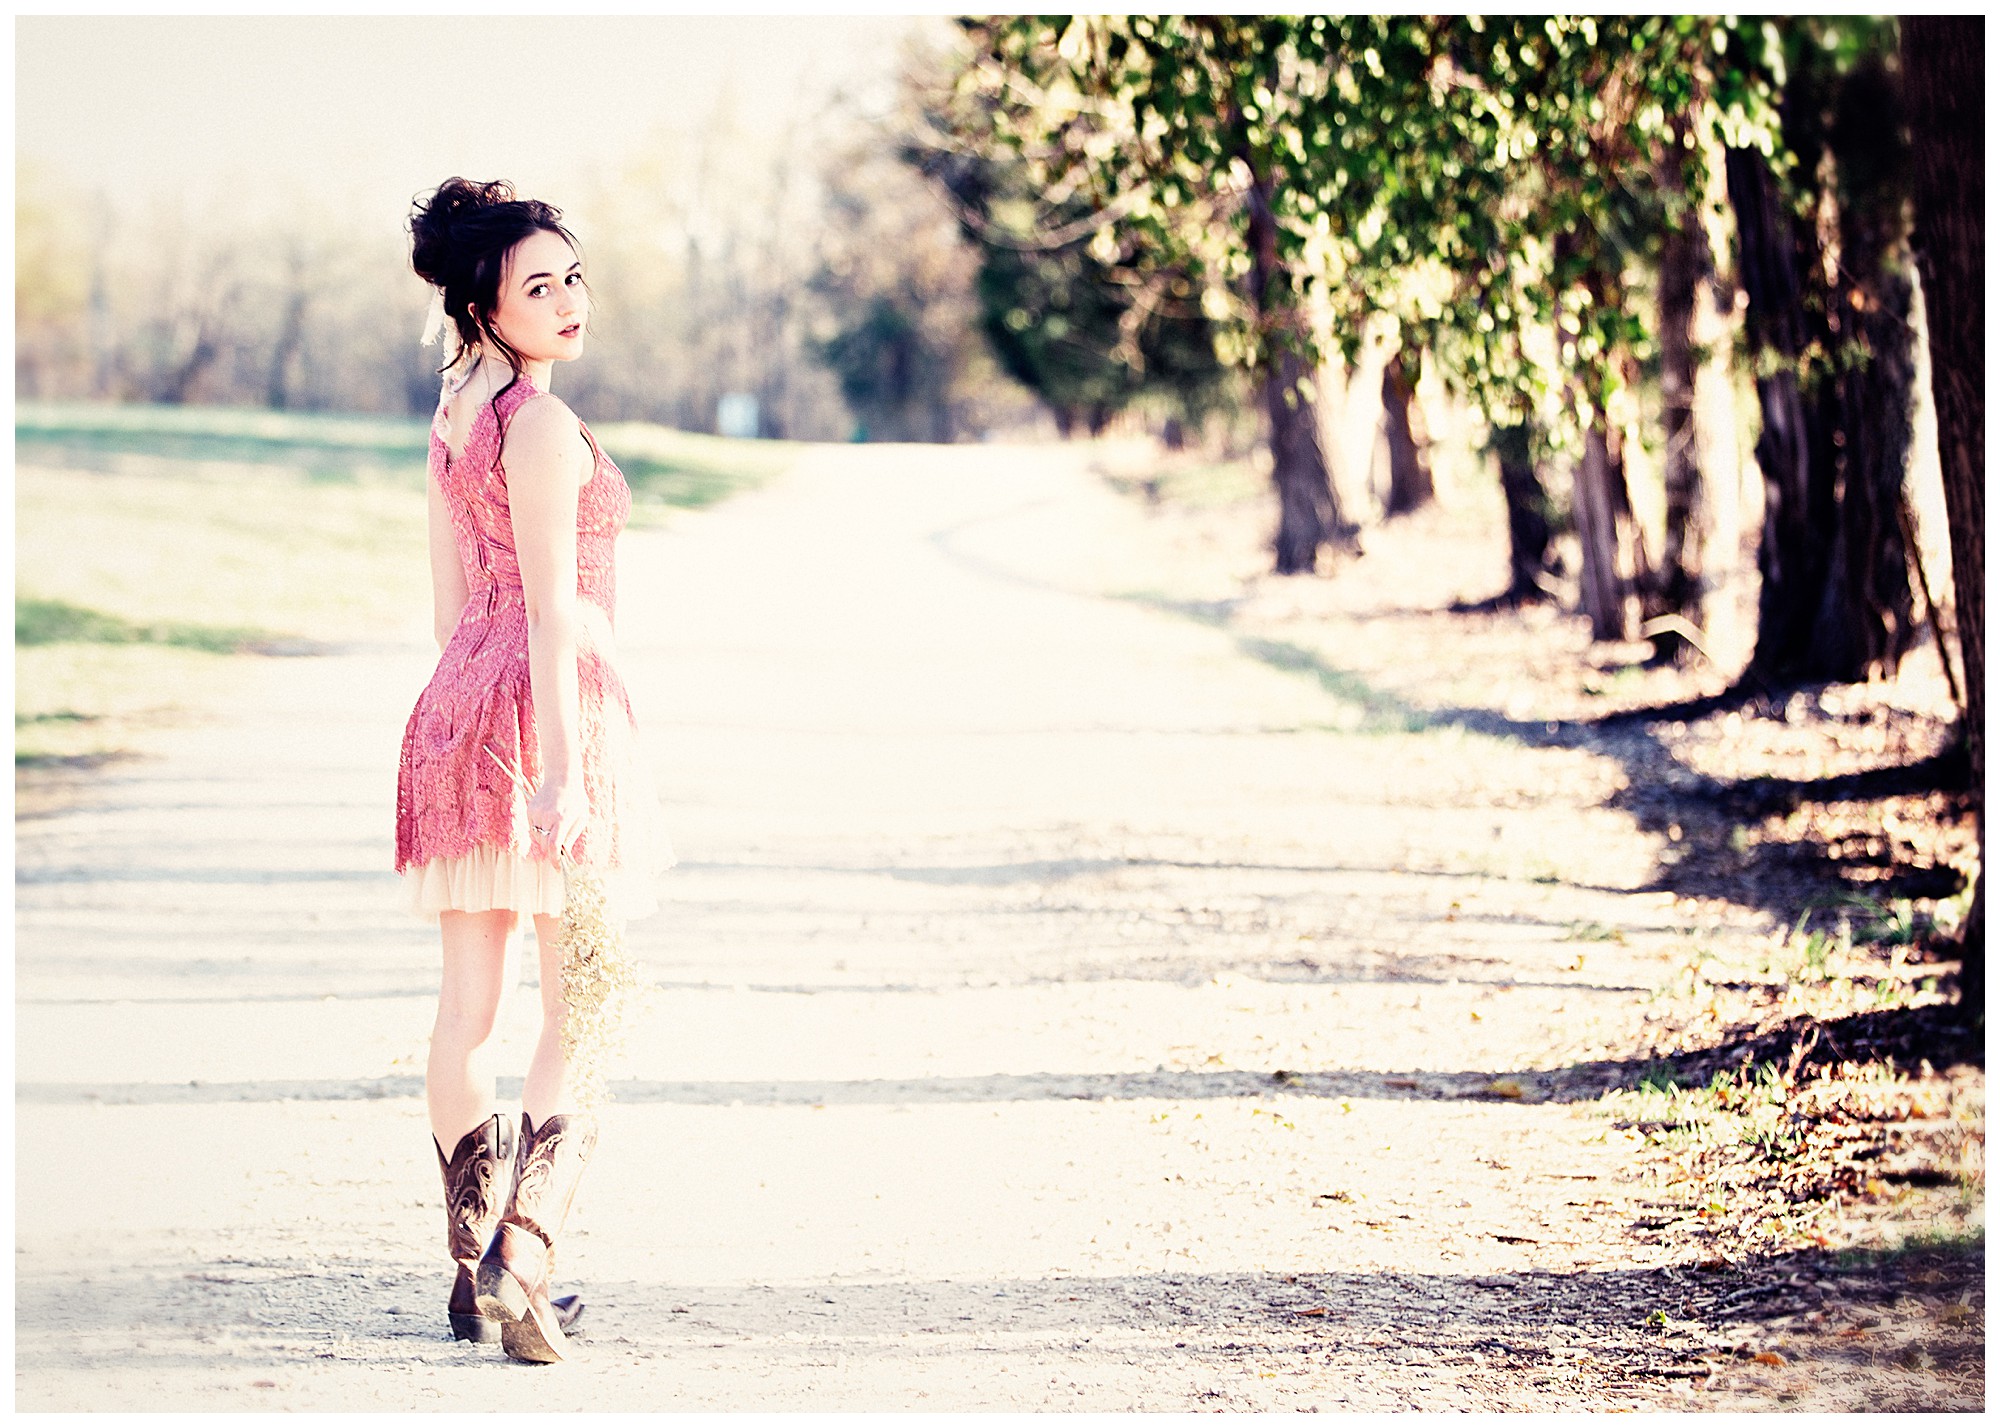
{"x": 211, "y": 1333}
{"x": 1907, "y": 1035}
{"x": 1707, "y": 818}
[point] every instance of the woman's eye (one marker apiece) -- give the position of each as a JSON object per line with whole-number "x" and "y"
{"x": 573, "y": 279}
{"x": 538, "y": 289}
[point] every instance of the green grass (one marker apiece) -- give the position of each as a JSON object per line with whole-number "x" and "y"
{"x": 1189, "y": 481}
{"x": 320, "y": 444}
{"x": 1381, "y": 712}
{"x": 56, "y": 622}
{"x": 689, "y": 469}
{"x": 1591, "y": 932}
{"x": 665, "y": 467}
{"x": 159, "y": 549}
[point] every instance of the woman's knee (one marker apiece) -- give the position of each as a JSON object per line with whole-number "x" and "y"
{"x": 468, "y": 1021}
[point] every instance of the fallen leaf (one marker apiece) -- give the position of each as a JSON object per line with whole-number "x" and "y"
{"x": 1767, "y": 1357}
{"x": 1506, "y": 1086}
{"x": 1310, "y": 1313}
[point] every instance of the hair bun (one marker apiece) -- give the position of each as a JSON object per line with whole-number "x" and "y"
{"x": 431, "y": 224}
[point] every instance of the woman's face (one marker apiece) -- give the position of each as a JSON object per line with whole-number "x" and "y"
{"x": 543, "y": 302}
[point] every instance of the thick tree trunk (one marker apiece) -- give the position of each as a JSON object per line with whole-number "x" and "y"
{"x": 1945, "y": 86}
{"x": 1673, "y": 601}
{"x": 1529, "y": 527}
{"x": 1309, "y": 514}
{"x": 1794, "y": 449}
{"x": 1596, "y": 504}
{"x": 1410, "y": 484}
{"x": 1866, "y": 618}
{"x": 1308, "y": 511}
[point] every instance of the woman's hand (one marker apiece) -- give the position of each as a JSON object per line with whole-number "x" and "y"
{"x": 556, "y": 814}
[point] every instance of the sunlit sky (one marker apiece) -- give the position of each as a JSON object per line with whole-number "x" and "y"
{"x": 244, "y": 112}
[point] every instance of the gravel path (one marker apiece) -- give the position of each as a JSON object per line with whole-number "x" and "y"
{"x": 1056, "y": 1008}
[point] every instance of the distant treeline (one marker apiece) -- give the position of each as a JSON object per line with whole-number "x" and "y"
{"x": 819, "y": 278}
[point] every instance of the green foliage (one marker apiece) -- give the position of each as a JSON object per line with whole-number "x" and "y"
{"x": 1493, "y": 183}
{"x": 50, "y": 622}
{"x": 1077, "y": 325}
{"x": 878, "y": 358}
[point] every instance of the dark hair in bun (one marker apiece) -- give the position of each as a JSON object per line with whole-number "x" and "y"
{"x": 459, "y": 240}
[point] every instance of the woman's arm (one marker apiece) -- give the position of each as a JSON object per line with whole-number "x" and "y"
{"x": 448, "y": 590}
{"x": 547, "y": 462}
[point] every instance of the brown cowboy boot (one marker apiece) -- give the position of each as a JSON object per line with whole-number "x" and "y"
{"x": 512, "y": 1282}
{"x": 477, "y": 1179}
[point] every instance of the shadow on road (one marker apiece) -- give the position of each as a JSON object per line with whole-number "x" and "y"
{"x": 1772, "y": 874}
{"x": 1904, "y": 1034}
{"x": 1514, "y": 1340}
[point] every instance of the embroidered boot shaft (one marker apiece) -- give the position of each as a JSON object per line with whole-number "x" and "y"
{"x": 477, "y": 1180}
{"x": 512, "y": 1283}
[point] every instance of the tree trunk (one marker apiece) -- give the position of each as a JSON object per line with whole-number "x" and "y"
{"x": 291, "y": 334}
{"x": 1867, "y": 615}
{"x": 1945, "y": 86}
{"x": 1309, "y": 514}
{"x": 177, "y": 386}
{"x": 1867, "y": 618}
{"x": 1595, "y": 504}
{"x": 1794, "y": 449}
{"x": 1528, "y": 516}
{"x": 1410, "y": 484}
{"x": 1674, "y": 597}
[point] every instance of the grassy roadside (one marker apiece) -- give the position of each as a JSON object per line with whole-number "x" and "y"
{"x": 159, "y": 549}
{"x": 667, "y": 469}
{"x": 1806, "y": 1110}
{"x": 1815, "y": 1100}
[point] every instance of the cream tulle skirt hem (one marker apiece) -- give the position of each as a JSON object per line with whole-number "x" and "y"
{"x": 491, "y": 877}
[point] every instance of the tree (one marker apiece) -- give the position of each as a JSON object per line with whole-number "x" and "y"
{"x": 1185, "y": 136}
{"x": 1945, "y": 83}
{"x": 1672, "y": 604}
{"x": 1410, "y": 485}
{"x": 894, "y": 299}
{"x": 1827, "y": 319}
{"x": 1077, "y": 322}
{"x": 1866, "y": 621}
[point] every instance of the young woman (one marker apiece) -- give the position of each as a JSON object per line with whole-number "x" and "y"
{"x": 522, "y": 748}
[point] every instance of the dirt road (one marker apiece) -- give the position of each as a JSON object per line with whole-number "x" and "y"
{"x": 1058, "y": 1008}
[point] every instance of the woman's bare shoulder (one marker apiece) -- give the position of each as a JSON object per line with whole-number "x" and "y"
{"x": 543, "y": 427}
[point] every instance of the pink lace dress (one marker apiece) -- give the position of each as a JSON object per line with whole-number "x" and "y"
{"x": 461, "y": 818}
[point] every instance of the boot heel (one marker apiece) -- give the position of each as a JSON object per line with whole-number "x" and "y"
{"x": 500, "y": 1296}
{"x": 475, "y": 1329}
{"x": 529, "y": 1340}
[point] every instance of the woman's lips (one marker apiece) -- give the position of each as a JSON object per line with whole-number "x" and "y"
{"x": 572, "y": 330}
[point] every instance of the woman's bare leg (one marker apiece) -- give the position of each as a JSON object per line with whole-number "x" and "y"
{"x": 458, "y": 1084}
{"x": 547, "y": 1091}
